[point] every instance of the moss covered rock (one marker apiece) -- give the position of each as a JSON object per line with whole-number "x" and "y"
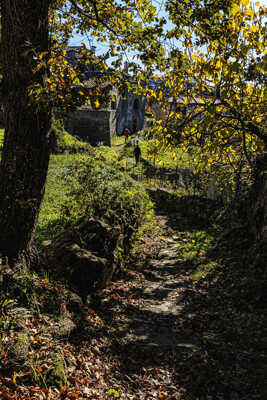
{"x": 84, "y": 256}
{"x": 20, "y": 349}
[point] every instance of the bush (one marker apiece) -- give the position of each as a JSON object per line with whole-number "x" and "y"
{"x": 100, "y": 190}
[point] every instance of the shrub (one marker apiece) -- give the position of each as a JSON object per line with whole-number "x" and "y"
{"x": 99, "y": 189}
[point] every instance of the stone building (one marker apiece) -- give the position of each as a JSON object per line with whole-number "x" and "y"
{"x": 93, "y": 126}
{"x": 99, "y": 125}
{"x": 110, "y": 119}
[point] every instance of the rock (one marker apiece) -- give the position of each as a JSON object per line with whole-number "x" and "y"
{"x": 98, "y": 237}
{"x": 64, "y": 328}
{"x": 168, "y": 253}
{"x": 74, "y": 303}
{"x": 84, "y": 271}
{"x": 20, "y": 349}
{"x": 84, "y": 256}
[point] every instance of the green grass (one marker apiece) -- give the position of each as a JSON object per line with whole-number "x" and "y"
{"x": 50, "y": 221}
{"x": 1, "y": 138}
{"x": 163, "y": 158}
{"x": 196, "y": 251}
{"x": 117, "y": 140}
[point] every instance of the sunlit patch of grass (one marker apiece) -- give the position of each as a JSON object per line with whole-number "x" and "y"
{"x": 196, "y": 251}
{"x": 203, "y": 270}
{"x": 50, "y": 220}
{"x": 1, "y": 138}
{"x": 110, "y": 154}
{"x": 197, "y": 275}
{"x": 117, "y": 140}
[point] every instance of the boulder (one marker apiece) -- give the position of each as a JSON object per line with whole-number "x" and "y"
{"x": 83, "y": 256}
{"x": 64, "y": 328}
{"x": 19, "y": 351}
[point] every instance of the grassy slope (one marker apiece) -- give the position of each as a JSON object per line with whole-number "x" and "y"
{"x": 50, "y": 220}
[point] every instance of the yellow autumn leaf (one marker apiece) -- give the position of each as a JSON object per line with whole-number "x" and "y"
{"x": 219, "y": 64}
{"x": 186, "y": 101}
{"x": 250, "y": 89}
{"x": 254, "y": 28}
{"x": 235, "y": 9}
{"x": 250, "y": 13}
{"x": 244, "y": 2}
{"x": 97, "y": 104}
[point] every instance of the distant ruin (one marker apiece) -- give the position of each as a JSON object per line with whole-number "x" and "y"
{"x": 99, "y": 125}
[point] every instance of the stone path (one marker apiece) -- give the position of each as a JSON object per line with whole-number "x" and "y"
{"x": 150, "y": 313}
{"x": 160, "y": 303}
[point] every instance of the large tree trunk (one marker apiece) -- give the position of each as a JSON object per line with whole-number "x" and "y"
{"x": 25, "y": 155}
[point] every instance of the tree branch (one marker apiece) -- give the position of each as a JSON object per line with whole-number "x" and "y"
{"x": 80, "y": 10}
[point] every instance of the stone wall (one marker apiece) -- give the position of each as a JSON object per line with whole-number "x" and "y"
{"x": 92, "y": 126}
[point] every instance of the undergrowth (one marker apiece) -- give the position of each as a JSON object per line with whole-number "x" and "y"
{"x": 101, "y": 189}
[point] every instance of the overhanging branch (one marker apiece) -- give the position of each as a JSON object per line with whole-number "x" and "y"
{"x": 84, "y": 14}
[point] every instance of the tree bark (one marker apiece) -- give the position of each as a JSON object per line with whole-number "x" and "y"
{"x": 25, "y": 155}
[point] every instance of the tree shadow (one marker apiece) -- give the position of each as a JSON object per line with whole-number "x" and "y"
{"x": 184, "y": 212}
{"x": 207, "y": 354}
